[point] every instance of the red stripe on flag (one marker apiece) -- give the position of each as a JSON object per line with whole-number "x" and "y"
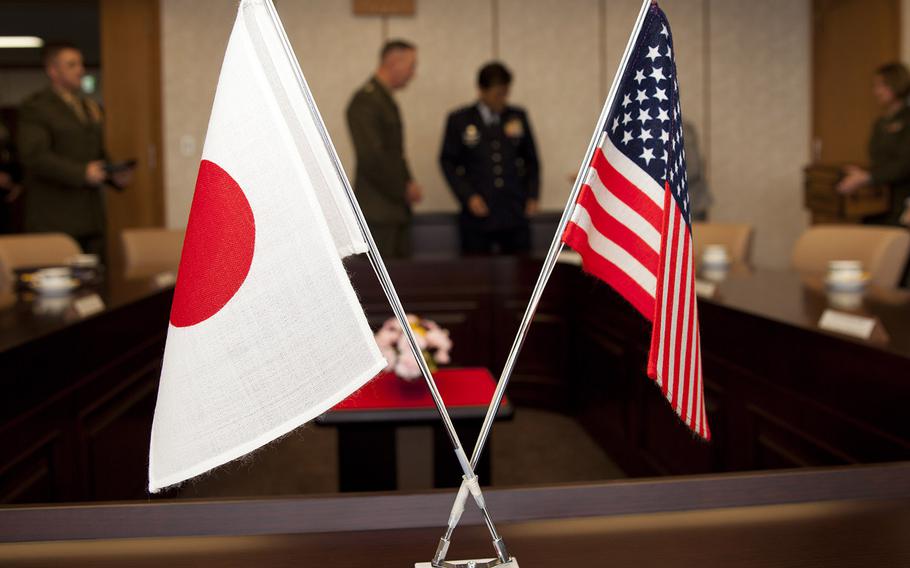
{"x": 593, "y": 263}
{"x": 681, "y": 310}
{"x": 690, "y": 339}
{"x": 657, "y": 316}
{"x": 620, "y": 234}
{"x": 626, "y": 191}
{"x": 703, "y": 429}
{"x": 670, "y": 306}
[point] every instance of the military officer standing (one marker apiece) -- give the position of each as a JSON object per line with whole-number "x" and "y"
{"x": 889, "y": 146}
{"x": 383, "y": 182}
{"x": 490, "y": 162}
{"x": 61, "y": 147}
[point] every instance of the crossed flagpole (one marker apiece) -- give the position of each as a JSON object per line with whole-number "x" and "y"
{"x": 470, "y": 484}
{"x": 546, "y": 270}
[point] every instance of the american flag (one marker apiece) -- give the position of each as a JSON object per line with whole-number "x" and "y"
{"x": 631, "y": 222}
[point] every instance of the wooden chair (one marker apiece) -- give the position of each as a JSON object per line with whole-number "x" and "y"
{"x": 147, "y": 252}
{"x": 882, "y": 250}
{"x": 735, "y": 237}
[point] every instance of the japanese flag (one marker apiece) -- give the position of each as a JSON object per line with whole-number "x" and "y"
{"x": 266, "y": 332}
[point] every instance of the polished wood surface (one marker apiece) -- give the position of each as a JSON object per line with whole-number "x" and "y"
{"x": 856, "y": 516}
{"x": 781, "y": 393}
{"x": 81, "y": 391}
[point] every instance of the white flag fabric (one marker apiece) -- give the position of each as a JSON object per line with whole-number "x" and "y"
{"x": 266, "y": 332}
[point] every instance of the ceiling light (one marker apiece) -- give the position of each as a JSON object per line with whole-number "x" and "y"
{"x": 19, "y": 42}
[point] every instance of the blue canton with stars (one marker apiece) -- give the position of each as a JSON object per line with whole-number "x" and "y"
{"x": 645, "y": 122}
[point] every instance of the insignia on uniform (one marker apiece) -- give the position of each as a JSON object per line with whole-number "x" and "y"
{"x": 471, "y": 135}
{"x": 513, "y": 128}
{"x": 894, "y": 127}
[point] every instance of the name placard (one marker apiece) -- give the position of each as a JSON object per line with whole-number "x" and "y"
{"x": 88, "y": 305}
{"x": 165, "y": 279}
{"x": 705, "y": 289}
{"x": 569, "y": 257}
{"x": 862, "y": 327}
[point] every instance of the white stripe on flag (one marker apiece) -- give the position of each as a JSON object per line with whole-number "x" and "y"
{"x": 674, "y": 348}
{"x": 687, "y": 281}
{"x": 633, "y": 172}
{"x": 691, "y": 330}
{"x": 662, "y": 349}
{"x": 614, "y": 253}
{"x": 622, "y": 212}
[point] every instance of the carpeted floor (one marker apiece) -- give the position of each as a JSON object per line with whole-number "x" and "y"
{"x": 535, "y": 447}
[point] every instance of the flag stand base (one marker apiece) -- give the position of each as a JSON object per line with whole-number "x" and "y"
{"x": 486, "y": 563}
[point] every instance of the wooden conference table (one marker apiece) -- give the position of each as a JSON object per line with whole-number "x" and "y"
{"x": 857, "y": 516}
{"x": 79, "y": 390}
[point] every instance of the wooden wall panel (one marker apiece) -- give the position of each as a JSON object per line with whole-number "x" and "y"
{"x": 850, "y": 39}
{"x": 131, "y": 63}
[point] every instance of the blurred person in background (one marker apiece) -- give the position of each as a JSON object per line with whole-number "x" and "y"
{"x": 10, "y": 188}
{"x": 61, "y": 147}
{"x": 385, "y": 188}
{"x": 889, "y": 146}
{"x": 489, "y": 159}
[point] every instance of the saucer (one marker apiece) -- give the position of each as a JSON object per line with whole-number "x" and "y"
{"x": 56, "y": 287}
{"x": 857, "y": 285}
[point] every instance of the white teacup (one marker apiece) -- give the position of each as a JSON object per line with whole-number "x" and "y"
{"x": 847, "y": 271}
{"x": 846, "y": 275}
{"x": 715, "y": 256}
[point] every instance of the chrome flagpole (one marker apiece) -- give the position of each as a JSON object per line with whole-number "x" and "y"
{"x": 470, "y": 479}
{"x": 549, "y": 264}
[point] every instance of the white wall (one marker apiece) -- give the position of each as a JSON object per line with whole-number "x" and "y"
{"x": 744, "y": 78}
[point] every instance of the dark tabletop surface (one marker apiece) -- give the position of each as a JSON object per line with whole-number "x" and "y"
{"x": 779, "y": 295}
{"x": 26, "y": 316}
{"x": 787, "y": 297}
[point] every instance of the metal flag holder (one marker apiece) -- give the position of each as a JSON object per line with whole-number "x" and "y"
{"x": 470, "y": 482}
{"x": 546, "y": 270}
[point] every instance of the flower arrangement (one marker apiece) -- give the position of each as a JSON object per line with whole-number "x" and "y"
{"x": 433, "y": 340}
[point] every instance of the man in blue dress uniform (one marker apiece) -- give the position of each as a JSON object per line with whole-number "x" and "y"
{"x": 490, "y": 162}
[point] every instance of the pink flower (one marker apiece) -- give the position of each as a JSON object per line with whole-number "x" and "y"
{"x": 393, "y": 344}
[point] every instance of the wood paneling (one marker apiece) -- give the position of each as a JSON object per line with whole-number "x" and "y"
{"x": 131, "y": 62}
{"x": 779, "y": 392}
{"x": 850, "y": 39}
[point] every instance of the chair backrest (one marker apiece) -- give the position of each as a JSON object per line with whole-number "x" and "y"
{"x": 148, "y": 252}
{"x": 34, "y": 249}
{"x": 735, "y": 237}
{"x": 882, "y": 250}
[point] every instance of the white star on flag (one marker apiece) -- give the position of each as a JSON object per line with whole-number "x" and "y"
{"x": 647, "y": 155}
{"x": 644, "y": 116}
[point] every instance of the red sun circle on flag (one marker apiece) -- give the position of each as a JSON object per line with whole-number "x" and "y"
{"x": 217, "y": 250}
